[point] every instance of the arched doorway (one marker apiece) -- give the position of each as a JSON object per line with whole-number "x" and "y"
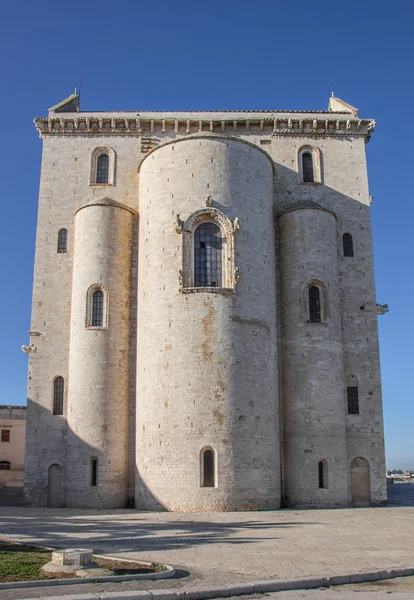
{"x": 54, "y": 487}
{"x": 360, "y": 482}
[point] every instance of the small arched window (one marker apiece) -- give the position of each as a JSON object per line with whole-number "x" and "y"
{"x": 97, "y": 308}
{"x": 314, "y": 305}
{"x": 208, "y": 246}
{"x": 94, "y": 472}
{"x": 62, "y": 244}
{"x": 58, "y": 392}
{"x": 102, "y": 169}
{"x": 4, "y": 465}
{"x": 208, "y": 474}
{"x": 323, "y": 474}
{"x": 348, "y": 244}
{"x": 307, "y": 168}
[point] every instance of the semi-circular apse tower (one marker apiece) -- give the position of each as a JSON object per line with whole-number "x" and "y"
{"x": 207, "y": 402}
{"x": 315, "y": 472}
{"x": 99, "y": 357}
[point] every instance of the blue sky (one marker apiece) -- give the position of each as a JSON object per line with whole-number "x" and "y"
{"x": 219, "y": 55}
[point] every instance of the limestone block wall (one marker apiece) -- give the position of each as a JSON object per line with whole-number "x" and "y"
{"x": 207, "y": 360}
{"x": 312, "y": 361}
{"x": 99, "y": 358}
{"x": 230, "y": 321}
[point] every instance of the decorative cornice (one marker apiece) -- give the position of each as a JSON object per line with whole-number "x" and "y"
{"x": 330, "y": 126}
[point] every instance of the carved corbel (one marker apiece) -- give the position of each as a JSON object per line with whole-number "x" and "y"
{"x": 178, "y": 224}
{"x": 236, "y": 224}
{"x": 209, "y": 201}
{"x": 382, "y": 309}
{"x": 236, "y": 275}
{"x": 28, "y": 349}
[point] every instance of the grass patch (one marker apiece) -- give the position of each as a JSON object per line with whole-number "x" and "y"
{"x": 19, "y": 562}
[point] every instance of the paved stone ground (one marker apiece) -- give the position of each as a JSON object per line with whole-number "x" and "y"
{"x": 223, "y": 548}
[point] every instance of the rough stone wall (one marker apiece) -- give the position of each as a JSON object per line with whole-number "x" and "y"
{"x": 207, "y": 361}
{"x": 65, "y": 186}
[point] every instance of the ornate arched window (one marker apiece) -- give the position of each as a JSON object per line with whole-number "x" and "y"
{"x": 62, "y": 244}
{"x": 208, "y": 468}
{"x": 348, "y": 244}
{"x": 314, "y": 305}
{"x": 58, "y": 394}
{"x": 208, "y": 250}
{"x": 323, "y": 474}
{"x": 307, "y": 168}
{"x": 309, "y": 165}
{"x": 102, "y": 169}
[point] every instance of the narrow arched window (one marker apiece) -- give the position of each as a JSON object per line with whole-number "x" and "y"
{"x": 62, "y": 244}
{"x": 307, "y": 168}
{"x": 323, "y": 474}
{"x": 352, "y": 400}
{"x": 94, "y": 472}
{"x": 102, "y": 169}
{"x": 4, "y": 465}
{"x": 208, "y": 246}
{"x": 348, "y": 244}
{"x": 58, "y": 392}
{"x": 208, "y": 466}
{"x": 97, "y": 308}
{"x": 314, "y": 305}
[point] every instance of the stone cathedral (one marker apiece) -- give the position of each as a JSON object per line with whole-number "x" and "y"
{"x": 204, "y": 325}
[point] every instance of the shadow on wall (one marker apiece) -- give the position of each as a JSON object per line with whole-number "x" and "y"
{"x": 46, "y": 465}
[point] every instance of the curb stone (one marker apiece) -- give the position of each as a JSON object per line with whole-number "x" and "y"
{"x": 236, "y": 590}
{"x": 79, "y": 580}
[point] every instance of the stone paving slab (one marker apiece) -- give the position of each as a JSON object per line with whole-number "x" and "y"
{"x": 223, "y": 549}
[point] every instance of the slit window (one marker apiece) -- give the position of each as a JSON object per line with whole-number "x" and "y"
{"x": 314, "y": 305}
{"x": 208, "y": 246}
{"x": 62, "y": 241}
{"x": 348, "y": 244}
{"x": 4, "y": 465}
{"x": 94, "y": 472}
{"x": 97, "y": 308}
{"x": 323, "y": 474}
{"x": 102, "y": 169}
{"x": 58, "y": 392}
{"x": 208, "y": 469}
{"x": 307, "y": 168}
{"x": 5, "y": 435}
{"x": 353, "y": 400}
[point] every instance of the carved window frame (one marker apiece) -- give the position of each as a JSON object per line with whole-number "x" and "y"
{"x": 228, "y": 229}
{"x": 323, "y": 298}
{"x": 317, "y": 164}
{"x": 89, "y": 306}
{"x": 96, "y": 153}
